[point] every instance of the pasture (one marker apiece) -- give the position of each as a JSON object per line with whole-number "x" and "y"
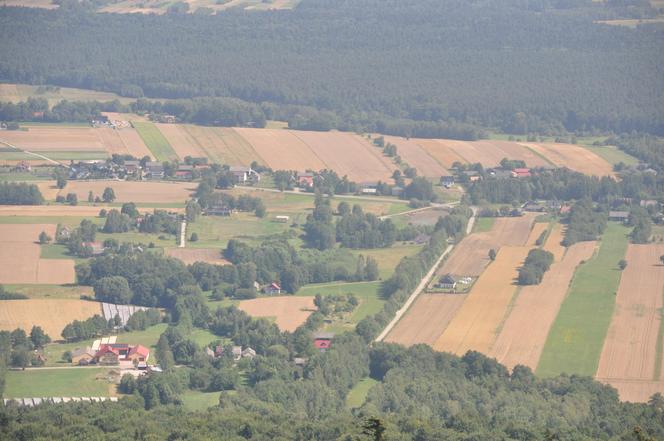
{"x": 575, "y": 341}
{"x": 71, "y": 382}
{"x": 191, "y": 255}
{"x": 632, "y": 351}
{"x": 289, "y": 312}
{"x": 51, "y": 314}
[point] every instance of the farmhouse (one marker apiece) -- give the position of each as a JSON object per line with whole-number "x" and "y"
{"x": 243, "y": 174}
{"x": 237, "y": 352}
{"x": 619, "y": 216}
{"x": 185, "y": 172}
{"x": 248, "y": 353}
{"x": 139, "y": 354}
{"x": 447, "y": 282}
{"x": 112, "y": 354}
{"x": 447, "y": 181}
{"x": 472, "y": 175}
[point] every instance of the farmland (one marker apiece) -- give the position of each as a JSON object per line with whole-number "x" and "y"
{"x": 535, "y": 309}
{"x": 155, "y": 141}
{"x": 191, "y": 255}
{"x": 51, "y": 314}
{"x": 131, "y": 191}
{"x": 21, "y": 92}
{"x": 574, "y": 343}
{"x": 20, "y": 260}
{"x": 288, "y": 312}
{"x": 632, "y": 353}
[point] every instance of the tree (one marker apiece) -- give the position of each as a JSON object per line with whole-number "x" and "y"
{"x": 60, "y": 174}
{"x": 91, "y": 197}
{"x": 194, "y": 237}
{"x": 44, "y": 238}
{"x": 72, "y": 199}
{"x": 192, "y": 211}
{"x": 492, "y": 254}
{"x": 108, "y": 195}
{"x": 129, "y": 208}
{"x": 21, "y": 358}
{"x": 622, "y": 264}
{"x": 113, "y": 289}
{"x": 661, "y": 259}
{"x": 38, "y": 337}
{"x": 116, "y": 222}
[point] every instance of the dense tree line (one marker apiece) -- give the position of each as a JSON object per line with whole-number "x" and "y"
{"x": 20, "y": 350}
{"x": 537, "y": 263}
{"x": 300, "y": 65}
{"x": 584, "y": 222}
{"x": 20, "y": 194}
{"x": 357, "y": 229}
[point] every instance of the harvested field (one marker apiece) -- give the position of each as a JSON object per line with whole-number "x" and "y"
{"x": 134, "y": 143}
{"x": 192, "y": 255}
{"x": 475, "y": 325}
{"x": 536, "y": 232}
{"x": 441, "y": 152}
{"x": 222, "y": 145}
{"x": 20, "y": 257}
{"x": 553, "y": 242}
{"x": 181, "y": 141}
{"x": 426, "y": 319}
{"x": 289, "y": 311}
{"x": 348, "y": 154}
{"x": 111, "y": 140}
{"x": 630, "y": 348}
{"x": 51, "y": 314}
{"x": 514, "y": 150}
{"x": 138, "y": 192}
{"x": 471, "y": 255}
{"x": 54, "y": 210}
{"x": 574, "y": 157}
{"x": 524, "y": 333}
{"x": 54, "y": 139}
{"x": 282, "y": 149}
{"x": 416, "y": 156}
{"x": 9, "y": 92}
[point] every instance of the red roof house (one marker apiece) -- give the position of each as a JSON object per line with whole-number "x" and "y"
{"x": 321, "y": 344}
{"x": 138, "y": 352}
{"x": 521, "y": 173}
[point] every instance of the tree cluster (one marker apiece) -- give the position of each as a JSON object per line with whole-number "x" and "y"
{"x": 537, "y": 263}
{"x": 12, "y": 193}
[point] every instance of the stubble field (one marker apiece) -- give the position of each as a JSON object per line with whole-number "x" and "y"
{"x": 51, "y": 314}
{"x": 288, "y": 312}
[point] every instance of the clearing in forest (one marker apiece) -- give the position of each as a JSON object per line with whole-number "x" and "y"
{"x": 523, "y": 335}
{"x": 289, "y": 312}
{"x": 631, "y": 359}
{"x": 475, "y": 325}
{"x": 51, "y": 314}
{"x": 575, "y": 341}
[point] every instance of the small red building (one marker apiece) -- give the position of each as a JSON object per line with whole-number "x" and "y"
{"x": 521, "y": 173}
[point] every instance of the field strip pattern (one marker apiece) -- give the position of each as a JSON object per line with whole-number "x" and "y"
{"x": 629, "y": 355}
{"x": 134, "y": 191}
{"x": 159, "y": 146}
{"x": 474, "y": 326}
{"x": 522, "y": 337}
{"x": 573, "y": 157}
{"x": 575, "y": 341}
{"x": 416, "y": 156}
{"x": 536, "y": 232}
{"x": 282, "y": 150}
{"x": 553, "y": 243}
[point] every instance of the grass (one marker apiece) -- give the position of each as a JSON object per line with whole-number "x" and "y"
{"x": 54, "y": 251}
{"x": 483, "y": 224}
{"x": 388, "y": 258}
{"x": 575, "y": 341}
{"x": 611, "y": 154}
{"x": 196, "y": 401}
{"x": 216, "y": 231}
{"x": 358, "y": 394}
{"x": 367, "y": 292}
{"x": 155, "y": 141}
{"x": 22, "y": 176}
{"x": 73, "y": 382}
{"x": 659, "y": 345}
{"x": 51, "y": 291}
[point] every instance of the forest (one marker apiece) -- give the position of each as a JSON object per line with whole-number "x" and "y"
{"x": 427, "y": 68}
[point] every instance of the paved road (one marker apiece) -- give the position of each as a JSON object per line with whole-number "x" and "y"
{"x": 423, "y": 284}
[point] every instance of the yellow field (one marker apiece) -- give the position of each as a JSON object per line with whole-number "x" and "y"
{"x": 51, "y": 314}
{"x": 289, "y": 312}
{"x": 475, "y": 325}
{"x": 553, "y": 243}
{"x": 133, "y": 191}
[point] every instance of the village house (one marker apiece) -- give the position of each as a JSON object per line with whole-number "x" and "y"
{"x": 305, "y": 180}
{"x": 521, "y": 173}
{"x": 534, "y": 207}
{"x": 237, "y": 352}
{"x": 112, "y": 354}
{"x": 185, "y": 172}
{"x": 619, "y": 216}
{"x": 138, "y": 354}
{"x": 209, "y": 352}
{"x": 396, "y": 191}
{"x": 154, "y": 170}
{"x": 218, "y": 210}
{"x": 323, "y": 341}
{"x": 648, "y": 203}
{"x": 447, "y": 181}
{"x": 500, "y": 173}
{"x": 272, "y": 288}
{"x": 282, "y": 219}
{"x": 244, "y": 174}
{"x": 448, "y": 281}
{"x": 82, "y": 356}
{"x": 248, "y": 353}
{"x": 472, "y": 175}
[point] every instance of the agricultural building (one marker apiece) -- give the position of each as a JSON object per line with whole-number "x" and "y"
{"x": 323, "y": 341}
{"x": 619, "y": 216}
{"x": 218, "y": 210}
{"x": 282, "y": 219}
{"x": 448, "y": 281}
{"x": 521, "y": 173}
{"x": 272, "y": 288}
{"x": 138, "y": 354}
{"x": 447, "y": 181}
{"x": 154, "y": 170}
{"x": 82, "y": 356}
{"x": 244, "y": 174}
{"x": 305, "y": 179}
{"x": 185, "y": 172}
{"x": 112, "y": 354}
